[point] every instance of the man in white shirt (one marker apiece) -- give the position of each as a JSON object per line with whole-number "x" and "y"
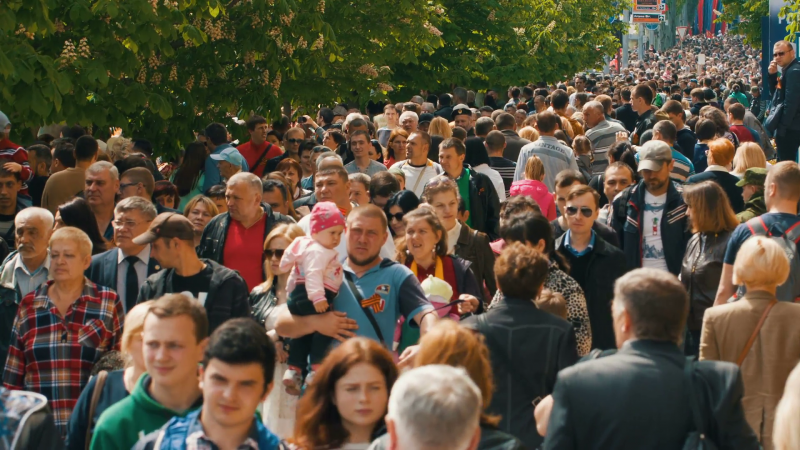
{"x": 418, "y": 168}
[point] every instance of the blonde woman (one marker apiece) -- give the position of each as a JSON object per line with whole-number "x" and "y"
{"x": 529, "y": 133}
{"x": 440, "y": 127}
{"x": 533, "y": 186}
{"x": 765, "y": 354}
{"x": 117, "y": 385}
{"x": 748, "y": 155}
{"x": 786, "y": 433}
{"x": 266, "y": 301}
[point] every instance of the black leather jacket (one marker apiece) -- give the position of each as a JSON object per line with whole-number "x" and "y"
{"x": 700, "y": 273}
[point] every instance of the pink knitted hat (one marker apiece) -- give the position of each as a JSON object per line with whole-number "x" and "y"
{"x": 325, "y": 215}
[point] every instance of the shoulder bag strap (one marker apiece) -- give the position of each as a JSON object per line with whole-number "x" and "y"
{"x": 349, "y": 277}
{"x": 694, "y": 403}
{"x": 261, "y": 158}
{"x": 753, "y": 336}
{"x": 98, "y": 390}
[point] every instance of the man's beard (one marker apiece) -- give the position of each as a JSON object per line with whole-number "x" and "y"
{"x": 363, "y": 262}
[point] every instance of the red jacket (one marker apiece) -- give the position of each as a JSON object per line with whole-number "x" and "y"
{"x": 11, "y": 152}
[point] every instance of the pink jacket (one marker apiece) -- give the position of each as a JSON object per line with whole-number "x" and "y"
{"x": 539, "y": 193}
{"x": 314, "y": 265}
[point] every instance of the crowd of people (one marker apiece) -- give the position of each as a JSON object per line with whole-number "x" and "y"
{"x": 608, "y": 262}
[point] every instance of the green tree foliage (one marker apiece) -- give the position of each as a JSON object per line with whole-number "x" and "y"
{"x": 161, "y": 69}
{"x": 511, "y": 42}
{"x": 750, "y": 12}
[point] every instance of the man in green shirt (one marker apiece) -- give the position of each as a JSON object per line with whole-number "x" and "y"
{"x": 477, "y": 190}
{"x": 173, "y": 341}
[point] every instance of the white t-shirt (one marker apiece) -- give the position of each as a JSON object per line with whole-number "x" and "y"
{"x": 418, "y": 177}
{"x": 653, "y": 248}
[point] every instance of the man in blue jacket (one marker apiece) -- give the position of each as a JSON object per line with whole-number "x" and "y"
{"x": 236, "y": 376}
{"x": 217, "y": 141}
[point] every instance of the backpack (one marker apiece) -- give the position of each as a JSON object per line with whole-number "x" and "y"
{"x": 790, "y": 290}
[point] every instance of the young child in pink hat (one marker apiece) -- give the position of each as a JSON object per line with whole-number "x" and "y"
{"x": 314, "y": 281}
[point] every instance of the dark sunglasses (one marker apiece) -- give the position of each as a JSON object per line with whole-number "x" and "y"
{"x": 268, "y": 254}
{"x": 585, "y": 210}
{"x": 778, "y": 54}
{"x": 126, "y": 185}
{"x": 294, "y": 141}
{"x": 398, "y": 216}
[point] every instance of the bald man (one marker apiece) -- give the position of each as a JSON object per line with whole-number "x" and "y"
{"x": 601, "y": 132}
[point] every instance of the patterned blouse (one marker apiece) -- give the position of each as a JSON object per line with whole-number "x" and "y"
{"x": 54, "y": 355}
{"x": 577, "y": 313}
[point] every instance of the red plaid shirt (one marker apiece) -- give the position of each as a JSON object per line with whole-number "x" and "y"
{"x": 54, "y": 356}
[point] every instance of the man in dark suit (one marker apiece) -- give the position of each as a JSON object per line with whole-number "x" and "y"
{"x": 625, "y": 112}
{"x": 507, "y": 125}
{"x": 638, "y": 397}
{"x": 127, "y": 266}
{"x": 787, "y": 136}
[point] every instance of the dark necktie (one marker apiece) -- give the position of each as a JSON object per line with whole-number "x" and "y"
{"x": 131, "y": 283}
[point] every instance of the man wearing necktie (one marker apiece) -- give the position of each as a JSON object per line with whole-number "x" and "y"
{"x": 125, "y": 267}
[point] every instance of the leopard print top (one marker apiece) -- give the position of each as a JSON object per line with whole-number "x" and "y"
{"x": 577, "y": 313}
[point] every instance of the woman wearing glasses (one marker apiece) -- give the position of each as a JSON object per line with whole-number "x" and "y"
{"x": 266, "y": 301}
{"x": 398, "y": 206}
{"x": 424, "y": 251}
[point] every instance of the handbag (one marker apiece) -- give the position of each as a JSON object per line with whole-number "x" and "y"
{"x": 263, "y": 307}
{"x": 696, "y": 439}
{"x": 775, "y": 114}
{"x": 98, "y": 390}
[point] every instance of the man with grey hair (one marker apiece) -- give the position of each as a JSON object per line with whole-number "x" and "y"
{"x": 234, "y": 238}
{"x": 125, "y": 267}
{"x": 100, "y": 189}
{"x": 24, "y": 269}
{"x": 434, "y": 407}
{"x": 601, "y": 132}
{"x": 610, "y": 402}
{"x": 325, "y": 160}
{"x": 409, "y": 121}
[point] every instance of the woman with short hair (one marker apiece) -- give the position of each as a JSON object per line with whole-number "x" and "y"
{"x": 200, "y": 210}
{"x": 117, "y": 384}
{"x": 757, "y": 332}
{"x": 533, "y": 229}
{"x": 399, "y": 204}
{"x": 712, "y": 221}
{"x": 748, "y": 156}
{"x": 63, "y": 328}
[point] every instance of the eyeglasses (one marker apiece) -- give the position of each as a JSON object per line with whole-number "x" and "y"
{"x": 778, "y": 54}
{"x": 294, "y": 141}
{"x": 268, "y": 254}
{"x": 398, "y": 217}
{"x": 585, "y": 211}
{"x": 126, "y": 185}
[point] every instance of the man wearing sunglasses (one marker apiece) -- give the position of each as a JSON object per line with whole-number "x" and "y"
{"x": 787, "y": 136}
{"x": 291, "y": 146}
{"x": 222, "y": 291}
{"x": 595, "y": 264}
